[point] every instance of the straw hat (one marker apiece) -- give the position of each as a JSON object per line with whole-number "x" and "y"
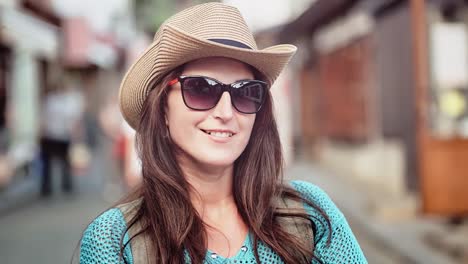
{"x": 206, "y": 30}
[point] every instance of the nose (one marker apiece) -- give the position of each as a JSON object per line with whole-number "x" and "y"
{"x": 224, "y": 110}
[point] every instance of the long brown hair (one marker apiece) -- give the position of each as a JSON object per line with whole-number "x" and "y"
{"x": 257, "y": 185}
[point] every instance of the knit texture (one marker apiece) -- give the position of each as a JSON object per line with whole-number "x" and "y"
{"x": 101, "y": 240}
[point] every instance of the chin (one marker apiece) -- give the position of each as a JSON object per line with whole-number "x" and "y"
{"x": 218, "y": 161}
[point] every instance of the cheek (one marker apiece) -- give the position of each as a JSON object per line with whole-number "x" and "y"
{"x": 180, "y": 119}
{"x": 174, "y": 117}
{"x": 247, "y": 123}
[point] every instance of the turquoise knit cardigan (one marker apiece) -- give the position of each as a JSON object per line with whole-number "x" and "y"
{"x": 101, "y": 240}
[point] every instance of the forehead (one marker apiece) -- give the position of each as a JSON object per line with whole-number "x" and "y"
{"x": 223, "y": 69}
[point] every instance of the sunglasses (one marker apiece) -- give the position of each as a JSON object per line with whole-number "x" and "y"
{"x": 203, "y": 93}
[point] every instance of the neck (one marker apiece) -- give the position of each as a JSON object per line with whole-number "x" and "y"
{"x": 211, "y": 186}
{"x": 212, "y": 197}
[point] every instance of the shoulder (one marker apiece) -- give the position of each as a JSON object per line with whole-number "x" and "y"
{"x": 109, "y": 223}
{"x": 334, "y": 243}
{"x": 314, "y": 194}
{"x": 102, "y": 238}
{"x": 308, "y": 189}
{"x": 317, "y": 196}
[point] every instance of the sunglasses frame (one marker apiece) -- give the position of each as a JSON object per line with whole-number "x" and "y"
{"x": 225, "y": 88}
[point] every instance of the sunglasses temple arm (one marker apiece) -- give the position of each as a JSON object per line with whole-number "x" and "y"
{"x": 173, "y": 82}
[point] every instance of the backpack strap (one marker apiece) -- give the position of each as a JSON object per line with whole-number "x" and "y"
{"x": 298, "y": 227}
{"x": 140, "y": 244}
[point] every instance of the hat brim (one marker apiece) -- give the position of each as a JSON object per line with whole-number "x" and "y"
{"x": 176, "y": 48}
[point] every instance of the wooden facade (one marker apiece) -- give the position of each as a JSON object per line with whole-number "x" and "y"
{"x": 345, "y": 80}
{"x": 442, "y": 162}
{"x": 388, "y": 68}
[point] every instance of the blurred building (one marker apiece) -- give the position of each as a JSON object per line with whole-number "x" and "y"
{"x": 50, "y": 43}
{"x": 29, "y": 49}
{"x": 383, "y": 94}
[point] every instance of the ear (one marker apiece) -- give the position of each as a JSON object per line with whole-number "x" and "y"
{"x": 166, "y": 121}
{"x": 165, "y": 115}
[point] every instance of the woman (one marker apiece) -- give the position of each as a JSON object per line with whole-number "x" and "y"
{"x": 212, "y": 188}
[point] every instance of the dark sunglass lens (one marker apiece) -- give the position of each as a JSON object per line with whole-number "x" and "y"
{"x": 248, "y": 96}
{"x": 200, "y": 93}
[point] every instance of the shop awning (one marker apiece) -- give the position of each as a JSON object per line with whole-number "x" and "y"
{"x": 82, "y": 47}
{"x": 24, "y": 31}
{"x": 318, "y": 14}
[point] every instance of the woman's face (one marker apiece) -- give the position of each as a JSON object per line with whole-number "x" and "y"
{"x": 205, "y": 136}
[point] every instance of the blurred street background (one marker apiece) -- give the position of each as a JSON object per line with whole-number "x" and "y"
{"x": 373, "y": 109}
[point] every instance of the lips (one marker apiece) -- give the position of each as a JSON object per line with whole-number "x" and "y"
{"x": 219, "y": 133}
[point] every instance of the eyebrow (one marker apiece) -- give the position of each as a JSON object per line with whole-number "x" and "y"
{"x": 214, "y": 79}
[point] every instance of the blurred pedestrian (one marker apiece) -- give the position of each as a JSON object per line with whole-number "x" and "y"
{"x": 212, "y": 189}
{"x": 123, "y": 137}
{"x": 60, "y": 125}
{"x": 123, "y": 156}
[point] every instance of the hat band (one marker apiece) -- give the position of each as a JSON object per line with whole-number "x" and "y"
{"x": 231, "y": 42}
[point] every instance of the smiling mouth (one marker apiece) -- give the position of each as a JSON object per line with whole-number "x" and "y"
{"x": 218, "y": 133}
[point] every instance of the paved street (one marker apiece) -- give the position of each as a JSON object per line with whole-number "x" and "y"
{"x": 375, "y": 252}
{"x": 47, "y": 231}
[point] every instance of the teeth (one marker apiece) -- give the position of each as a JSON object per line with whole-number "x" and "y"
{"x": 220, "y": 134}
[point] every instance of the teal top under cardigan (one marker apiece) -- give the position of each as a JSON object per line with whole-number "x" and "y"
{"x": 101, "y": 240}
